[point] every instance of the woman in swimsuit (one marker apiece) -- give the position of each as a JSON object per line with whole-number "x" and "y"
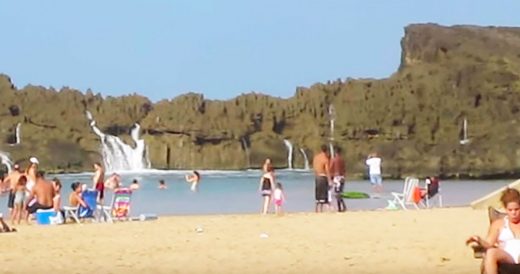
{"x": 502, "y": 243}
{"x": 266, "y": 187}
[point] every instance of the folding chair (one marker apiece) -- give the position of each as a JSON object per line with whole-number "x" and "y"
{"x": 120, "y": 206}
{"x": 405, "y": 198}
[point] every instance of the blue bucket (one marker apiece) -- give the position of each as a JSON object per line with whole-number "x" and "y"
{"x": 43, "y": 216}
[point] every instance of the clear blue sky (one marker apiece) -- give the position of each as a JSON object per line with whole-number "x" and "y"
{"x": 220, "y": 48}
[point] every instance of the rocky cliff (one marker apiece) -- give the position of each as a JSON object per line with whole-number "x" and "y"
{"x": 413, "y": 118}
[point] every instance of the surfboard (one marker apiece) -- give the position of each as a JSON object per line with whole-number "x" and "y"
{"x": 355, "y": 195}
{"x": 493, "y": 198}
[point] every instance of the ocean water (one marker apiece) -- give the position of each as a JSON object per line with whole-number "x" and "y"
{"x": 227, "y": 192}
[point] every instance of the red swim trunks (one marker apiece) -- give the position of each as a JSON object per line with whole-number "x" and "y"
{"x": 100, "y": 187}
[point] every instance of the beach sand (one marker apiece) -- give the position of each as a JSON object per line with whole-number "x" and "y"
{"x": 415, "y": 241}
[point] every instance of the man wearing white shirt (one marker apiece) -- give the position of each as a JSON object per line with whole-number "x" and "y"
{"x": 374, "y": 170}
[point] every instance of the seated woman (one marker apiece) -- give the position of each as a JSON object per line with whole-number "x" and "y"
{"x": 502, "y": 243}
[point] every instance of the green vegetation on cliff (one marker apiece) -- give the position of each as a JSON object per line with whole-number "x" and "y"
{"x": 413, "y": 118}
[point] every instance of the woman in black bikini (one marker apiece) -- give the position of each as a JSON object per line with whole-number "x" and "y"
{"x": 267, "y": 184}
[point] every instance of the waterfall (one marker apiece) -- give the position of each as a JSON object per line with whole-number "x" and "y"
{"x": 246, "y": 149}
{"x": 290, "y": 152}
{"x": 305, "y": 159}
{"x": 17, "y": 134}
{"x": 17, "y": 138}
{"x": 118, "y": 155}
{"x": 332, "y": 118}
{"x": 4, "y": 159}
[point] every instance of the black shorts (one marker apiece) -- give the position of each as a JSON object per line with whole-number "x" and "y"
{"x": 35, "y": 206}
{"x": 322, "y": 190}
{"x": 10, "y": 200}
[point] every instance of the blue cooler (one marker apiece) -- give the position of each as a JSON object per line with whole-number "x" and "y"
{"x": 43, "y": 216}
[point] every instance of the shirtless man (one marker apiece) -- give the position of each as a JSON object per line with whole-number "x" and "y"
{"x": 337, "y": 170}
{"x": 98, "y": 181}
{"x": 12, "y": 180}
{"x": 320, "y": 164}
{"x": 43, "y": 193}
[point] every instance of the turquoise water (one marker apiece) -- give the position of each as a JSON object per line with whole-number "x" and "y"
{"x": 226, "y": 192}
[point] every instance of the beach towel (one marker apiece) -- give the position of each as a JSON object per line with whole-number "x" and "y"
{"x": 416, "y": 195}
{"x": 90, "y": 198}
{"x": 121, "y": 205}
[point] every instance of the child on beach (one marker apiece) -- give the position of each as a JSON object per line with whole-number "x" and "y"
{"x": 19, "y": 199}
{"x": 278, "y": 198}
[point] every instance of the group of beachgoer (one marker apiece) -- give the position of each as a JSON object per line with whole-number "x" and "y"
{"x": 329, "y": 180}
{"x": 28, "y": 191}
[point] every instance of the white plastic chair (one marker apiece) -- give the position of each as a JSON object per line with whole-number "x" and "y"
{"x": 406, "y": 197}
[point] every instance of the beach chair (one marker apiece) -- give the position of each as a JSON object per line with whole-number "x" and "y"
{"x": 406, "y": 198}
{"x": 119, "y": 208}
{"x": 479, "y": 251}
{"x": 80, "y": 212}
{"x": 433, "y": 192}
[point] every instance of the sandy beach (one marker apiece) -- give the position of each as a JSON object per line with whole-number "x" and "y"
{"x": 415, "y": 241}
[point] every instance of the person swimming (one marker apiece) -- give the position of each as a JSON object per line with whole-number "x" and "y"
{"x": 162, "y": 184}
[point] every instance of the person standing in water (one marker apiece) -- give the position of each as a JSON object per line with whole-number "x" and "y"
{"x": 267, "y": 183}
{"x": 98, "y": 181}
{"x": 194, "y": 179}
{"x": 320, "y": 164}
{"x": 337, "y": 170}
{"x": 374, "y": 170}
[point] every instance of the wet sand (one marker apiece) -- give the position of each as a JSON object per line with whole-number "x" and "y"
{"x": 416, "y": 241}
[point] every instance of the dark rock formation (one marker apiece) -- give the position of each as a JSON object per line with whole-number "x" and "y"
{"x": 413, "y": 118}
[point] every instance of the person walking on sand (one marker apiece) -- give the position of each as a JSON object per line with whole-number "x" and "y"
{"x": 337, "y": 170}
{"x": 320, "y": 164}
{"x": 98, "y": 181}
{"x": 374, "y": 170}
{"x": 266, "y": 187}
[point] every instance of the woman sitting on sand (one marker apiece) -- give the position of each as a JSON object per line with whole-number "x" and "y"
{"x": 502, "y": 243}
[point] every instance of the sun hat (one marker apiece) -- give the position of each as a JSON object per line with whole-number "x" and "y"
{"x": 34, "y": 160}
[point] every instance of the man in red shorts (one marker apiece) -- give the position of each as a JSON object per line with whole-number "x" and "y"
{"x": 98, "y": 181}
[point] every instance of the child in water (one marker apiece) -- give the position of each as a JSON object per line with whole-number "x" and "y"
{"x": 278, "y": 198}
{"x": 19, "y": 199}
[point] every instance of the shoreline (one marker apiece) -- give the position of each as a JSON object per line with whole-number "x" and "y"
{"x": 356, "y": 176}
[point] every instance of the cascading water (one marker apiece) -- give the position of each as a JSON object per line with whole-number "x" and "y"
{"x": 118, "y": 155}
{"x": 4, "y": 159}
{"x": 332, "y": 118}
{"x": 17, "y": 133}
{"x": 17, "y": 138}
{"x": 246, "y": 149}
{"x": 305, "y": 159}
{"x": 289, "y": 153}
